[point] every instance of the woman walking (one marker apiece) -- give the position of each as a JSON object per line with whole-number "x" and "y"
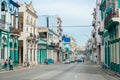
{"x": 6, "y": 64}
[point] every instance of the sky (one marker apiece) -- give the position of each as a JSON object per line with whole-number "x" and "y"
{"x": 72, "y": 13}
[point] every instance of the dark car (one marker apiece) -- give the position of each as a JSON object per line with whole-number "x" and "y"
{"x": 72, "y": 61}
{"x": 80, "y": 60}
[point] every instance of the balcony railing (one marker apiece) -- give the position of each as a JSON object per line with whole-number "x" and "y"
{"x": 93, "y": 23}
{"x": 100, "y": 31}
{"x": 57, "y": 44}
{"x": 112, "y": 14}
{"x": 52, "y": 44}
{"x": 28, "y": 22}
{"x": 14, "y": 30}
{"x": 2, "y": 24}
{"x": 32, "y": 36}
{"x": 35, "y": 37}
{"x": 94, "y": 46}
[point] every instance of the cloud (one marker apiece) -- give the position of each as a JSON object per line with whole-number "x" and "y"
{"x": 65, "y": 9}
{"x": 72, "y": 12}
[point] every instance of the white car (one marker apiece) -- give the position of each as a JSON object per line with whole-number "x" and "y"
{"x": 67, "y": 61}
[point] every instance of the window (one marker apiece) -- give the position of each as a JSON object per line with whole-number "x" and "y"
{"x": 27, "y": 20}
{"x": 34, "y": 22}
{"x": 30, "y": 54}
{"x": 3, "y": 6}
{"x": 31, "y": 21}
{"x": 27, "y": 29}
{"x": 2, "y": 52}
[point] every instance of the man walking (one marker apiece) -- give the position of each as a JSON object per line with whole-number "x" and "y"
{"x": 10, "y": 64}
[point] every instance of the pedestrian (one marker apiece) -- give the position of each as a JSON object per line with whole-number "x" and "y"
{"x": 6, "y": 64}
{"x": 10, "y": 64}
{"x": 83, "y": 60}
{"x": 28, "y": 64}
{"x": 25, "y": 63}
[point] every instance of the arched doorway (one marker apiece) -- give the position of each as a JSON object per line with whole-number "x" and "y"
{"x": 15, "y": 54}
{"x": 11, "y": 48}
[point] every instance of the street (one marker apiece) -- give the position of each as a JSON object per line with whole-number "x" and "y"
{"x": 73, "y": 71}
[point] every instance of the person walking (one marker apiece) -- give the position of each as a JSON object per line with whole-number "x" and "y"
{"x": 6, "y": 64}
{"x": 10, "y": 64}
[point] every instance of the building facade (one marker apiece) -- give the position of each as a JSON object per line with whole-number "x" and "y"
{"x": 42, "y": 45}
{"x": 73, "y": 46}
{"x": 9, "y": 32}
{"x": 49, "y": 41}
{"x": 111, "y": 34}
{"x": 53, "y": 46}
{"x": 59, "y": 33}
{"x": 28, "y": 39}
{"x": 54, "y": 26}
{"x": 66, "y": 53}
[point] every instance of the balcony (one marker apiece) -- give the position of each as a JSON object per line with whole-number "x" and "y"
{"x": 14, "y": 30}
{"x": 52, "y": 44}
{"x": 112, "y": 19}
{"x": 27, "y": 22}
{"x": 30, "y": 36}
{"x": 57, "y": 44}
{"x": 35, "y": 37}
{"x": 94, "y": 47}
{"x": 94, "y": 34}
{"x": 93, "y": 23}
{"x": 100, "y": 31}
{"x": 103, "y": 5}
{"x": 2, "y": 24}
{"x": 60, "y": 34}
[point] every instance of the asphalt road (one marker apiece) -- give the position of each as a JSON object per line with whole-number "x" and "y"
{"x": 73, "y": 71}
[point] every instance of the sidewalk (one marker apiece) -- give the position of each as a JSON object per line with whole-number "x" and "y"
{"x": 21, "y": 68}
{"x": 109, "y": 72}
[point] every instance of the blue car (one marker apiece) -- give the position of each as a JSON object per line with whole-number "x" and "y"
{"x": 80, "y": 60}
{"x": 49, "y": 61}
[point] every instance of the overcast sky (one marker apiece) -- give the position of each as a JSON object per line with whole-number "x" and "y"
{"x": 72, "y": 12}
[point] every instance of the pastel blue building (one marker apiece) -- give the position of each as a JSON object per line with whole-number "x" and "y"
{"x": 66, "y": 48}
{"x": 9, "y": 32}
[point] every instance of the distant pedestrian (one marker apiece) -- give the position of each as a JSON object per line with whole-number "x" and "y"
{"x": 83, "y": 60}
{"x": 6, "y": 64}
{"x": 28, "y": 64}
{"x": 10, "y": 64}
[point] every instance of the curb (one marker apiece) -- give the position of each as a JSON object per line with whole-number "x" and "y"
{"x": 110, "y": 72}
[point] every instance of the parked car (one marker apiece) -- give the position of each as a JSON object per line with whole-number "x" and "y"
{"x": 72, "y": 61}
{"x": 67, "y": 61}
{"x": 80, "y": 60}
{"x": 49, "y": 61}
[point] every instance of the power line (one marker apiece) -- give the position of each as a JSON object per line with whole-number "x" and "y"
{"x": 75, "y": 26}
{"x": 79, "y": 26}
